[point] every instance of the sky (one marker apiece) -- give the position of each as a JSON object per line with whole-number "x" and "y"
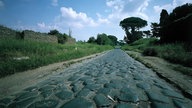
{"x": 85, "y": 18}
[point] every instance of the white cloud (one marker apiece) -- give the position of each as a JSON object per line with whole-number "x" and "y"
{"x": 80, "y": 19}
{"x": 143, "y": 6}
{"x": 126, "y": 8}
{"x": 116, "y": 5}
{"x": 54, "y": 2}
{"x": 41, "y": 25}
{"x": 69, "y": 18}
{"x": 1, "y": 4}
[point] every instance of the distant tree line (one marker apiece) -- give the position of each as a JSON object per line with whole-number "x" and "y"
{"x": 103, "y": 39}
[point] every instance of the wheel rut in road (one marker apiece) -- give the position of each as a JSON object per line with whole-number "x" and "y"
{"x": 112, "y": 80}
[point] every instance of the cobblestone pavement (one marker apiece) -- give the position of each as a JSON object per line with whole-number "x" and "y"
{"x": 112, "y": 80}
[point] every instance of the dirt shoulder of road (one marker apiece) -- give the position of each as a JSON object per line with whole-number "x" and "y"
{"x": 165, "y": 70}
{"x": 17, "y": 82}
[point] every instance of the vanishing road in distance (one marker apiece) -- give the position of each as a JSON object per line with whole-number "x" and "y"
{"x": 110, "y": 80}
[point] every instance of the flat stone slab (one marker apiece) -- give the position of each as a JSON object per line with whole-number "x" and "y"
{"x": 128, "y": 97}
{"x": 103, "y": 91}
{"x": 79, "y": 103}
{"x": 83, "y": 93}
{"x": 93, "y": 87}
{"x": 154, "y": 96}
{"x": 172, "y": 94}
{"x": 102, "y": 101}
{"x": 144, "y": 86}
{"x": 64, "y": 95}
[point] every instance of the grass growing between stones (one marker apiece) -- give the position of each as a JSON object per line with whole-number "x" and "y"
{"x": 176, "y": 53}
{"x": 20, "y": 55}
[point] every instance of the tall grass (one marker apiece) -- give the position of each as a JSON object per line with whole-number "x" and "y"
{"x": 40, "y": 54}
{"x": 173, "y": 52}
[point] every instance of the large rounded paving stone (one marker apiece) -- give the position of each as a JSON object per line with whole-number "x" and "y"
{"x": 102, "y": 101}
{"x": 79, "y": 103}
{"x": 83, "y": 93}
{"x": 157, "y": 97}
{"x": 144, "y": 86}
{"x": 64, "y": 95}
{"x": 104, "y": 91}
{"x": 128, "y": 97}
{"x": 44, "y": 104}
{"x": 93, "y": 87}
{"x": 112, "y": 85}
{"x": 88, "y": 82}
{"x": 172, "y": 94}
{"x": 74, "y": 78}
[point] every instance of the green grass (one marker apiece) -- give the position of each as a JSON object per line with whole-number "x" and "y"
{"x": 174, "y": 53}
{"x": 140, "y": 45}
{"x": 40, "y": 54}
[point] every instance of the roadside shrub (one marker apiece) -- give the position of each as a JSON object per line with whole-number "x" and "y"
{"x": 150, "y": 52}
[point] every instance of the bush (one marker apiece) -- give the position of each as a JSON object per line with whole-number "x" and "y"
{"x": 150, "y": 52}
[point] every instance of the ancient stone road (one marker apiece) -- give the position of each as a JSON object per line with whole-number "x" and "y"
{"x": 112, "y": 80}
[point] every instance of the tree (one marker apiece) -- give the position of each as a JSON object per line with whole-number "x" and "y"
{"x": 70, "y": 32}
{"x": 54, "y": 32}
{"x": 155, "y": 29}
{"x": 92, "y": 40}
{"x": 164, "y": 17}
{"x": 102, "y": 39}
{"x": 176, "y": 27}
{"x": 62, "y": 38}
{"x": 113, "y": 39}
{"x": 181, "y": 11}
{"x": 131, "y": 27}
{"x": 147, "y": 33}
{"x": 164, "y": 21}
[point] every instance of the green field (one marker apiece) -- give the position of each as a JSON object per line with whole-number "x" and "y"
{"x": 20, "y": 55}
